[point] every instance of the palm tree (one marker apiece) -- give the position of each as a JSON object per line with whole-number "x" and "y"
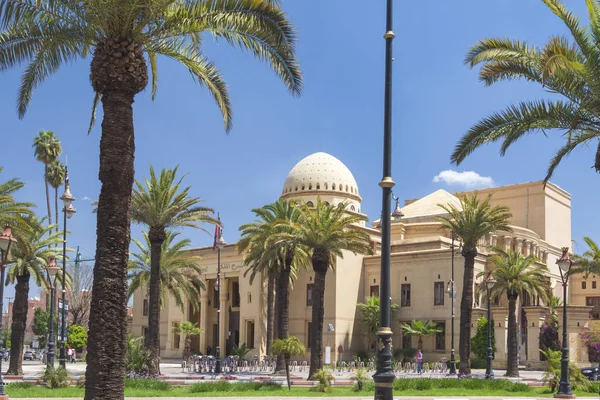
{"x": 472, "y": 221}
{"x": 588, "y": 262}
{"x": 56, "y": 177}
{"x": 515, "y": 276}
{"x": 11, "y": 211}
{"x": 368, "y": 313}
{"x": 161, "y": 203}
{"x": 265, "y": 252}
{"x": 187, "y": 330}
{"x": 122, "y": 39}
{"x": 30, "y": 255}
{"x": 420, "y": 329}
{"x": 286, "y": 349}
{"x": 47, "y": 149}
{"x": 180, "y": 274}
{"x": 325, "y": 231}
{"x": 565, "y": 66}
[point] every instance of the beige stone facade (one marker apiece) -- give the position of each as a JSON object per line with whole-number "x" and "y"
{"x": 420, "y": 271}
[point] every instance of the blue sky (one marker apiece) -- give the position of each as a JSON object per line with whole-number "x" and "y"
{"x": 341, "y": 50}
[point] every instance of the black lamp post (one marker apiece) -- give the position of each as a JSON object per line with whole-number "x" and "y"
{"x": 384, "y": 376}
{"x": 489, "y": 283}
{"x": 451, "y": 290}
{"x": 6, "y": 240}
{"x": 52, "y": 271}
{"x": 564, "y": 388}
{"x": 68, "y": 211}
{"x": 219, "y": 243}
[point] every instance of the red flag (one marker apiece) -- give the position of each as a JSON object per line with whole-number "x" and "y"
{"x": 217, "y": 234}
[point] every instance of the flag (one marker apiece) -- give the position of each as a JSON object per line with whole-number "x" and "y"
{"x": 217, "y": 233}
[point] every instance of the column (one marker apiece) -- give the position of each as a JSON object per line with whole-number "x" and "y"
{"x": 500, "y": 317}
{"x": 526, "y": 247}
{"x": 536, "y": 315}
{"x": 224, "y": 305}
{"x": 519, "y": 245}
{"x": 507, "y": 243}
{"x": 578, "y": 318}
{"x": 203, "y": 318}
{"x": 494, "y": 240}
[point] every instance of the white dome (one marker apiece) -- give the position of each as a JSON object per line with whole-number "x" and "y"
{"x": 320, "y": 172}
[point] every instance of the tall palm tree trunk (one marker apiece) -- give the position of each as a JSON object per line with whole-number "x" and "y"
{"x": 156, "y": 237}
{"x": 47, "y": 194}
{"x": 19, "y": 323}
{"x": 108, "y": 312}
{"x": 270, "y": 310}
{"x": 56, "y": 209}
{"x": 283, "y": 302}
{"x": 466, "y": 308}
{"x": 318, "y": 312}
{"x": 512, "y": 366}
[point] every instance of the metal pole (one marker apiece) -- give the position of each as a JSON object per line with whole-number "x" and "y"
{"x": 63, "y": 356}
{"x": 50, "y": 358}
{"x": 3, "y": 267}
{"x": 218, "y": 362}
{"x": 384, "y": 377}
{"x": 564, "y": 388}
{"x": 453, "y": 295}
{"x": 489, "y": 373}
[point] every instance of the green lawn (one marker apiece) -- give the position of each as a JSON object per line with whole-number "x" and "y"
{"x": 42, "y": 392}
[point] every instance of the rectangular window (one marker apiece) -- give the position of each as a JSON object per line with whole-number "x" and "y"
{"x": 440, "y": 337}
{"x": 176, "y": 337}
{"x": 406, "y": 342}
{"x": 583, "y": 285}
{"x": 405, "y": 290}
{"x": 215, "y": 298}
{"x": 374, "y": 291}
{"x": 308, "y": 334}
{"x": 250, "y": 334}
{"x": 309, "y": 289}
{"x": 593, "y": 284}
{"x": 594, "y": 302}
{"x": 438, "y": 293}
{"x": 145, "y": 308}
{"x": 235, "y": 302}
{"x": 496, "y": 301}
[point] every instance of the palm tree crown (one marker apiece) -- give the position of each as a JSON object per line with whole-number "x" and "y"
{"x": 588, "y": 262}
{"x": 46, "y": 145}
{"x": 180, "y": 274}
{"x": 11, "y": 211}
{"x": 569, "y": 67}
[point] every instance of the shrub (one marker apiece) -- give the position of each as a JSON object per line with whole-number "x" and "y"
{"x": 77, "y": 337}
{"x": 325, "y": 380}
{"x": 477, "y": 363}
{"x": 479, "y": 341}
{"x": 552, "y": 373}
{"x": 360, "y": 377}
{"x": 55, "y": 378}
{"x": 138, "y": 357}
{"x": 147, "y": 384}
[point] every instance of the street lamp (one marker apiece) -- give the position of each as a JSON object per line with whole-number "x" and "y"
{"x": 6, "y": 240}
{"x": 220, "y": 242}
{"x": 564, "y": 388}
{"x": 384, "y": 376}
{"x": 489, "y": 283}
{"x": 451, "y": 290}
{"x": 68, "y": 211}
{"x": 51, "y": 270}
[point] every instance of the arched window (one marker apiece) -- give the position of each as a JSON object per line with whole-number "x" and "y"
{"x": 310, "y": 204}
{"x": 318, "y": 186}
{"x": 333, "y": 187}
{"x": 326, "y": 187}
{"x": 341, "y": 188}
{"x": 309, "y": 187}
{"x": 346, "y": 188}
{"x": 303, "y": 187}
{"x": 296, "y": 188}
{"x": 352, "y": 208}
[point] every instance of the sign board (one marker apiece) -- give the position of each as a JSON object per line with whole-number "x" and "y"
{"x": 62, "y": 313}
{"x": 327, "y": 355}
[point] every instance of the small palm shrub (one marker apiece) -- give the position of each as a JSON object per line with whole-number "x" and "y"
{"x": 55, "y": 378}
{"x": 138, "y": 357}
{"x": 360, "y": 378}
{"x": 241, "y": 351}
{"x": 552, "y": 372}
{"x": 324, "y": 381}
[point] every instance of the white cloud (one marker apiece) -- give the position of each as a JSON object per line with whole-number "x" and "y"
{"x": 86, "y": 198}
{"x": 468, "y": 179}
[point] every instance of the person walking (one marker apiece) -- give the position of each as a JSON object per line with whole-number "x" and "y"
{"x": 419, "y": 359}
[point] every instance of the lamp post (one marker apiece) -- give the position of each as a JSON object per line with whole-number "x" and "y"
{"x": 489, "y": 283}
{"x": 6, "y": 240}
{"x": 52, "y": 271}
{"x": 384, "y": 376}
{"x": 564, "y": 388}
{"x": 451, "y": 290}
{"x": 68, "y": 211}
{"x": 220, "y": 242}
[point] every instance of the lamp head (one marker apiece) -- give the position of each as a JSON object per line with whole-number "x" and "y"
{"x": 6, "y": 238}
{"x": 220, "y": 241}
{"x": 449, "y": 287}
{"x": 70, "y": 210}
{"x": 330, "y": 328}
{"x": 490, "y": 281}
{"x": 565, "y": 262}
{"x": 67, "y": 197}
{"x": 52, "y": 268}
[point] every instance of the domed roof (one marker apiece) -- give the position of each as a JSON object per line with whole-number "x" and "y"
{"x": 322, "y": 172}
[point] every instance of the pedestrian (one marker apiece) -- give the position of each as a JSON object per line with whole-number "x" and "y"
{"x": 208, "y": 350}
{"x": 419, "y": 359}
